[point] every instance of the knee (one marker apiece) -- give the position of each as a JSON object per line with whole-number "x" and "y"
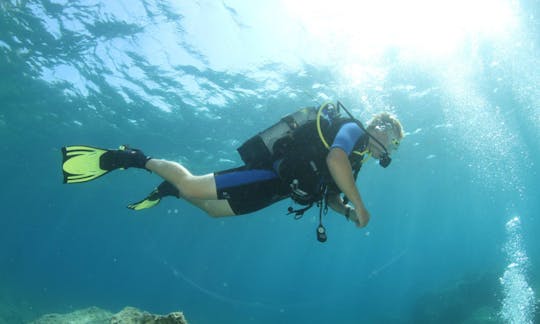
{"x": 189, "y": 188}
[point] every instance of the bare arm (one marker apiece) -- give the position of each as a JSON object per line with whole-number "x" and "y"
{"x": 341, "y": 171}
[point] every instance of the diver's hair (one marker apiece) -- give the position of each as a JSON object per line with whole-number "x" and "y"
{"x": 385, "y": 119}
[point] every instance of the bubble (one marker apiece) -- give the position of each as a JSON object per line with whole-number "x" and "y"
{"x": 518, "y": 304}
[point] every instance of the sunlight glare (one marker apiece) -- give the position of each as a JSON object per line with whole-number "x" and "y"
{"x": 426, "y": 26}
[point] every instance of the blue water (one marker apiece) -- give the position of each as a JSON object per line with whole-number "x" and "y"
{"x": 452, "y": 235}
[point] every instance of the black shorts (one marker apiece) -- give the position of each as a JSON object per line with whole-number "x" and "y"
{"x": 248, "y": 190}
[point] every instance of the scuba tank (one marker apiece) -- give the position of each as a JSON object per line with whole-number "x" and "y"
{"x": 276, "y": 148}
{"x": 277, "y": 144}
{"x": 258, "y": 151}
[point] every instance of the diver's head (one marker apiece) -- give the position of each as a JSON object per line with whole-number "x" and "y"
{"x": 386, "y": 134}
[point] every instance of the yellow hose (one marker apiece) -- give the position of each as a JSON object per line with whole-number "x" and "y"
{"x": 323, "y": 140}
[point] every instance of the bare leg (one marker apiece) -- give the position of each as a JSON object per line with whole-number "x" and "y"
{"x": 198, "y": 190}
{"x": 214, "y": 208}
{"x": 189, "y": 185}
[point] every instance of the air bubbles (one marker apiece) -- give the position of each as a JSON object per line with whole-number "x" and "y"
{"x": 447, "y": 125}
{"x": 5, "y": 45}
{"x": 518, "y": 304}
{"x": 513, "y": 223}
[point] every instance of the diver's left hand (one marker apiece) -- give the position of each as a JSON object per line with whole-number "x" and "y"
{"x": 362, "y": 217}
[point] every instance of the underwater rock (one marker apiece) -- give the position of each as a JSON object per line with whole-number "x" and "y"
{"x": 82, "y": 316}
{"x": 95, "y": 315}
{"x": 131, "y": 315}
{"x": 473, "y": 299}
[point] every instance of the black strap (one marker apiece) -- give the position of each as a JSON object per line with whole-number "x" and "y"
{"x": 323, "y": 209}
{"x": 385, "y": 160}
{"x": 298, "y": 213}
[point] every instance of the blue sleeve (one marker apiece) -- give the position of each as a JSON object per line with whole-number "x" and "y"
{"x": 347, "y": 137}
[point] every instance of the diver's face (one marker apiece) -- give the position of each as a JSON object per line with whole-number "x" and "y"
{"x": 387, "y": 138}
{"x": 375, "y": 149}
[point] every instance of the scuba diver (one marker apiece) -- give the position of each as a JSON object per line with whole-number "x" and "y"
{"x": 312, "y": 156}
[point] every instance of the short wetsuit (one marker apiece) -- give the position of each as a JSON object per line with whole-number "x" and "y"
{"x": 248, "y": 190}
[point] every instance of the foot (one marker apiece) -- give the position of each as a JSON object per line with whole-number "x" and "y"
{"x": 124, "y": 158}
{"x": 168, "y": 189}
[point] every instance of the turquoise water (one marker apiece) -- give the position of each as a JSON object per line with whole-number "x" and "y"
{"x": 452, "y": 235}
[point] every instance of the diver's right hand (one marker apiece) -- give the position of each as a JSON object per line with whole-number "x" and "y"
{"x": 362, "y": 217}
